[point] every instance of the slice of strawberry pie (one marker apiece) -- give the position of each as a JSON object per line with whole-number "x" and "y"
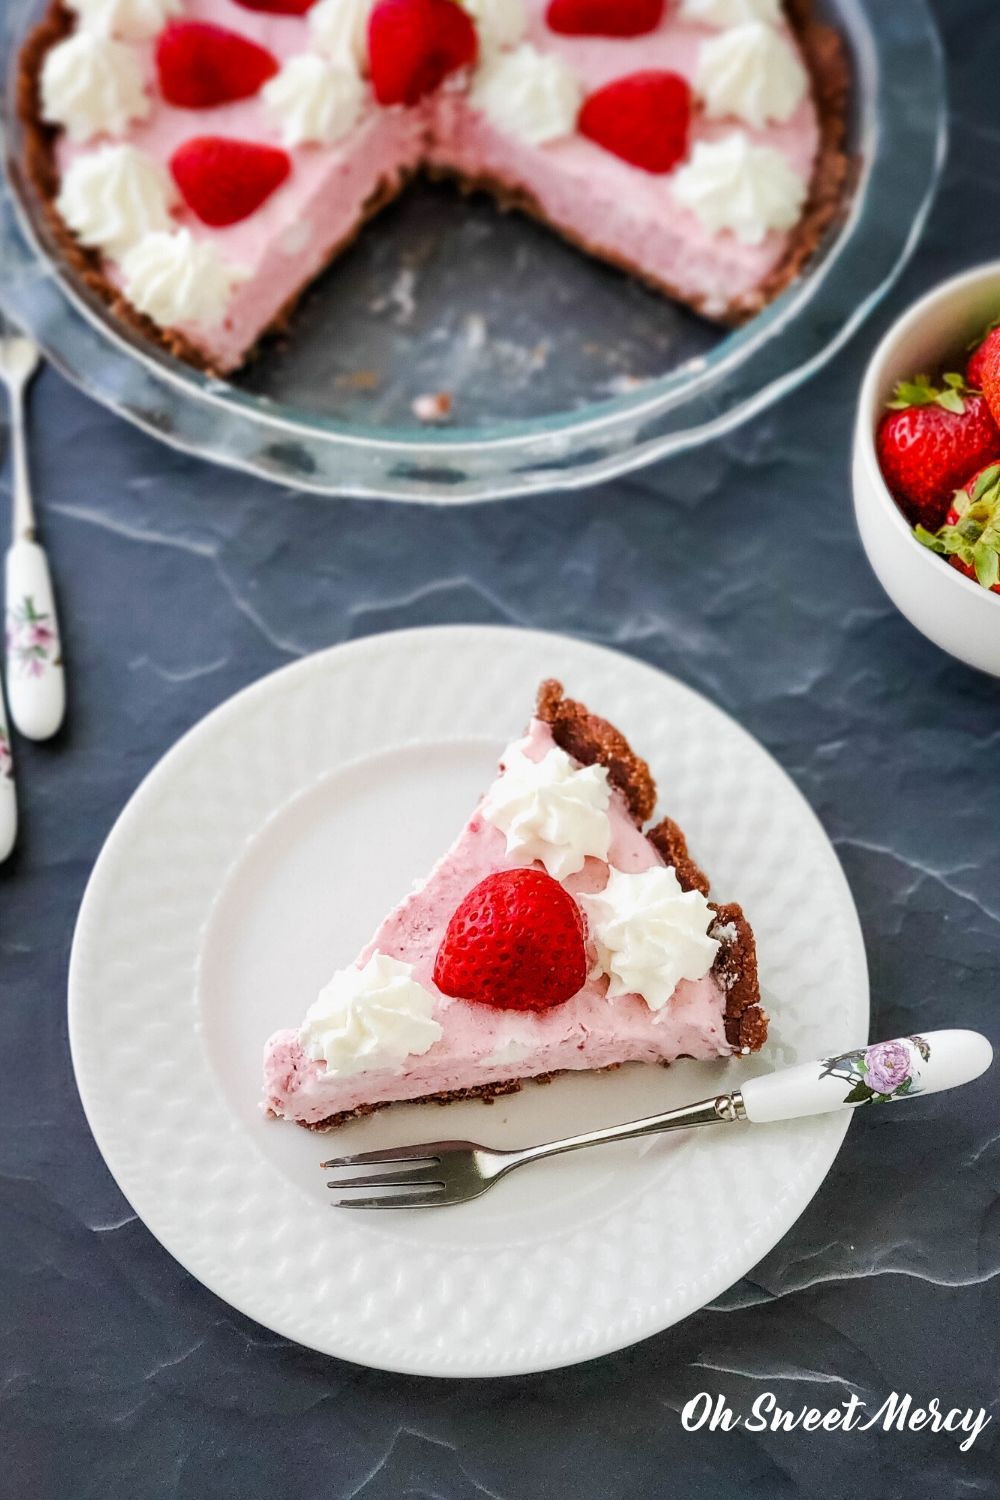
{"x": 554, "y": 934}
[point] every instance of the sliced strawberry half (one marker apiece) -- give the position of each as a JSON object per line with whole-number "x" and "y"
{"x": 414, "y": 44}
{"x": 516, "y": 942}
{"x": 604, "y": 17}
{"x": 223, "y": 180}
{"x": 200, "y": 65}
{"x": 645, "y": 118}
{"x": 278, "y": 7}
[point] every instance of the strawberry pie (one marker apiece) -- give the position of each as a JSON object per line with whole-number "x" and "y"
{"x": 558, "y": 932}
{"x": 202, "y": 161}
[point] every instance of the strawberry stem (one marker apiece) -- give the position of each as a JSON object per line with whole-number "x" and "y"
{"x": 921, "y": 392}
{"x": 975, "y": 537}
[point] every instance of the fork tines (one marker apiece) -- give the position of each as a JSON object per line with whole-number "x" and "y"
{"x": 428, "y": 1152}
{"x": 418, "y": 1175}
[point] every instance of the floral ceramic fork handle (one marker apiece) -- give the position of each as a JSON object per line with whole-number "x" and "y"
{"x": 8, "y": 796}
{"x": 877, "y": 1074}
{"x": 35, "y": 685}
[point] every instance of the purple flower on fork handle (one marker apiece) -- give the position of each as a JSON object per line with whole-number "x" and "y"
{"x": 31, "y": 639}
{"x": 889, "y": 1065}
{"x": 886, "y": 1070}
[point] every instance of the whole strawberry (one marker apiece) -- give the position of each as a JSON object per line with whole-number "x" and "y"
{"x": 929, "y": 443}
{"x": 516, "y": 942}
{"x": 984, "y": 370}
{"x": 970, "y": 536}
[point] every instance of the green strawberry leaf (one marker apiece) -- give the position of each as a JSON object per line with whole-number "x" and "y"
{"x": 928, "y": 539}
{"x": 987, "y": 565}
{"x": 916, "y": 392}
{"x": 975, "y": 538}
{"x": 986, "y": 481}
{"x": 920, "y": 391}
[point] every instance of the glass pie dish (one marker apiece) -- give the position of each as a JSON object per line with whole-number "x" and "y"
{"x": 563, "y": 372}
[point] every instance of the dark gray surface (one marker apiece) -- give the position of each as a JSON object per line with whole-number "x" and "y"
{"x": 738, "y": 569}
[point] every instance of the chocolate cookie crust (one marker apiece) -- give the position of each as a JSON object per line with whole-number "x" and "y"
{"x": 593, "y": 741}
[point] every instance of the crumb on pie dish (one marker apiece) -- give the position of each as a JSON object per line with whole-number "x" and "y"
{"x": 561, "y": 931}
{"x": 202, "y": 161}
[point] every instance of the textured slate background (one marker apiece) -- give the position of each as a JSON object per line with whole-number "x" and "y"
{"x": 738, "y": 569}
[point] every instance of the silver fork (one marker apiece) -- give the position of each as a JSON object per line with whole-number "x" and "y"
{"x": 457, "y": 1171}
{"x": 444, "y": 1172}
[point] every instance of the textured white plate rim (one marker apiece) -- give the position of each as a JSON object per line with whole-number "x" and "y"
{"x": 141, "y": 1190}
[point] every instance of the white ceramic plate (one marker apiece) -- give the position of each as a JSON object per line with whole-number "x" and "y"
{"x": 259, "y": 855}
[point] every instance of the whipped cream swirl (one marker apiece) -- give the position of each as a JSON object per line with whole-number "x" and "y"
{"x": 375, "y": 1017}
{"x": 529, "y": 94}
{"x": 174, "y": 278}
{"x": 113, "y": 196}
{"x": 551, "y": 809}
{"x": 135, "y": 20}
{"x": 650, "y": 934}
{"x": 723, "y": 13}
{"x": 752, "y": 72}
{"x": 92, "y": 86}
{"x": 733, "y": 184}
{"x": 340, "y": 30}
{"x": 314, "y": 99}
{"x": 500, "y": 23}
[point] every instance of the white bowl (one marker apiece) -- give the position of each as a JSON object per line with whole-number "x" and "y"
{"x": 953, "y": 611}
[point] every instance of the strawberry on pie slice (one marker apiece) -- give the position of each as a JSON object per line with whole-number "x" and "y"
{"x": 557, "y": 933}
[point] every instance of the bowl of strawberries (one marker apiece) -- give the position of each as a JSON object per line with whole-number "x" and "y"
{"x": 927, "y": 466}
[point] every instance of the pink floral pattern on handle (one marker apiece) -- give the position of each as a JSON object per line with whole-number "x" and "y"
{"x": 887, "y": 1070}
{"x": 32, "y": 643}
{"x": 6, "y": 759}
